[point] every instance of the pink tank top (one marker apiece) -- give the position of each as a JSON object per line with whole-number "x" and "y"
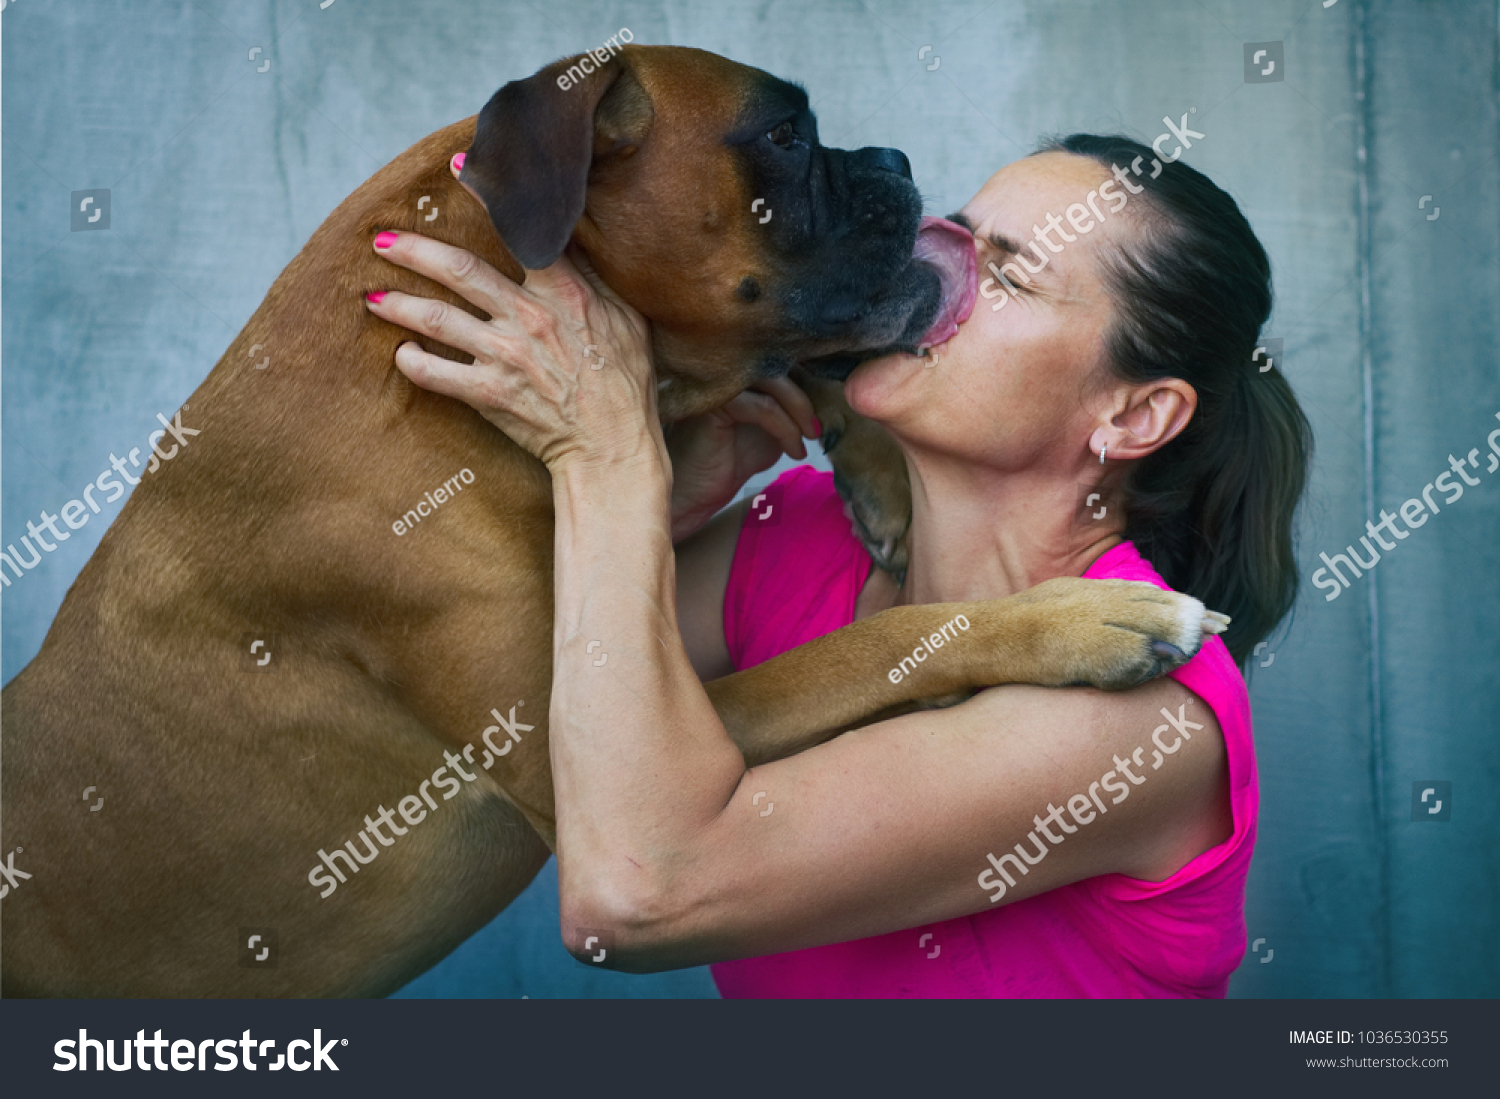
{"x": 797, "y": 571}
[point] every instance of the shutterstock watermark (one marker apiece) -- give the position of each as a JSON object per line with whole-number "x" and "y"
{"x": 1083, "y": 217}
{"x": 577, "y": 71}
{"x": 411, "y": 806}
{"x": 191, "y": 1055}
{"x": 10, "y": 875}
{"x": 1414, "y": 513}
{"x": 76, "y": 515}
{"x": 1085, "y": 808}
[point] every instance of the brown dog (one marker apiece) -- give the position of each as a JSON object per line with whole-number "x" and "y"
{"x": 317, "y": 707}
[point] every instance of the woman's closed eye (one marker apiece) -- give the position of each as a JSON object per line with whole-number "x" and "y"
{"x": 992, "y": 256}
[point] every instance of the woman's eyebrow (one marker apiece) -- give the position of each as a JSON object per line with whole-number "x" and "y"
{"x": 996, "y": 240}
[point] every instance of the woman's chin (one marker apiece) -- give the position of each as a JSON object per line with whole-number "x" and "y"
{"x": 872, "y": 385}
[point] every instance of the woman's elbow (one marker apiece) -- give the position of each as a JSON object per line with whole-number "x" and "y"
{"x": 621, "y": 922}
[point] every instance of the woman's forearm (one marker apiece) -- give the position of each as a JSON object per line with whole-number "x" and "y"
{"x": 641, "y": 764}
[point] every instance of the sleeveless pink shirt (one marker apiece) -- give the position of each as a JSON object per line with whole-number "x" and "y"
{"x": 796, "y": 574}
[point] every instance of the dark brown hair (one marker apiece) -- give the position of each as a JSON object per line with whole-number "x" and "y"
{"x": 1212, "y": 510}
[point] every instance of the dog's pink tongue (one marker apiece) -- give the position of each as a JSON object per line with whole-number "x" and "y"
{"x": 949, "y": 250}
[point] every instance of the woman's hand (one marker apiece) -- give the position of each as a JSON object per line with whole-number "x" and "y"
{"x": 714, "y": 454}
{"x": 563, "y": 366}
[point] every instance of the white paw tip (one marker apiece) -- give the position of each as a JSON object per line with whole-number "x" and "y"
{"x": 1190, "y": 625}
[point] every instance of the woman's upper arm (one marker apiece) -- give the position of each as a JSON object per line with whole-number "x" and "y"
{"x": 703, "y": 562}
{"x": 889, "y": 827}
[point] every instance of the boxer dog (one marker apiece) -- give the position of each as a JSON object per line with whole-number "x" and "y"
{"x": 309, "y": 665}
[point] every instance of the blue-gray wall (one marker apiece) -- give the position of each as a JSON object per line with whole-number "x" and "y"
{"x": 1388, "y": 306}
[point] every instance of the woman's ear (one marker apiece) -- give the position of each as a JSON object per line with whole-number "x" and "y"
{"x": 1153, "y": 414}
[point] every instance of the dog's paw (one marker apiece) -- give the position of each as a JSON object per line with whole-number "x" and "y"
{"x": 1115, "y": 634}
{"x": 869, "y": 471}
{"x": 880, "y": 512}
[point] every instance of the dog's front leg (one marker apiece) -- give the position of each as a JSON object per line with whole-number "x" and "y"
{"x": 1110, "y": 634}
{"x": 869, "y": 471}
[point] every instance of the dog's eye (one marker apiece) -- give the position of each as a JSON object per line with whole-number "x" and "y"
{"x": 783, "y": 135}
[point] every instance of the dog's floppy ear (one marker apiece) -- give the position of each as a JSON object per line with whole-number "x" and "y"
{"x": 536, "y": 140}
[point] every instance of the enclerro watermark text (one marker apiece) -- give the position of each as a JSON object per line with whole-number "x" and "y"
{"x": 927, "y": 646}
{"x": 430, "y": 501}
{"x": 582, "y": 67}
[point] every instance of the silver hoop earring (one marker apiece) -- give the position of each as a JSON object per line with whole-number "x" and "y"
{"x": 1102, "y": 449}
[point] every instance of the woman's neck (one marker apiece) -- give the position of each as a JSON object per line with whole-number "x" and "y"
{"x": 978, "y": 534}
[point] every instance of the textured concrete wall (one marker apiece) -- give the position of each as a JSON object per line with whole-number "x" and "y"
{"x": 1387, "y": 305}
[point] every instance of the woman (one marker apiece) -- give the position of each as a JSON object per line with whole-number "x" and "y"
{"x": 1029, "y": 842}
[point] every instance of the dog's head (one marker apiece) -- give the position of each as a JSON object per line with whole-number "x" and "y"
{"x": 699, "y": 191}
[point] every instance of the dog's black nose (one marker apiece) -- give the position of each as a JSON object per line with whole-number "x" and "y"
{"x": 887, "y": 160}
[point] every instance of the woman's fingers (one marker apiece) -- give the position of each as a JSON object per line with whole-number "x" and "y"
{"x": 764, "y": 412}
{"x": 798, "y": 405}
{"x": 538, "y": 359}
{"x": 458, "y": 269}
{"x": 472, "y": 383}
{"x": 443, "y": 322}
{"x": 559, "y": 285}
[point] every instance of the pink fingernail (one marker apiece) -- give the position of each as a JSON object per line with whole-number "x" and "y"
{"x": 817, "y": 427}
{"x": 385, "y": 240}
{"x": 458, "y": 162}
{"x": 376, "y": 297}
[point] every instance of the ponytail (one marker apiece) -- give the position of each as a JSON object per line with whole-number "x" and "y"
{"x": 1213, "y": 509}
